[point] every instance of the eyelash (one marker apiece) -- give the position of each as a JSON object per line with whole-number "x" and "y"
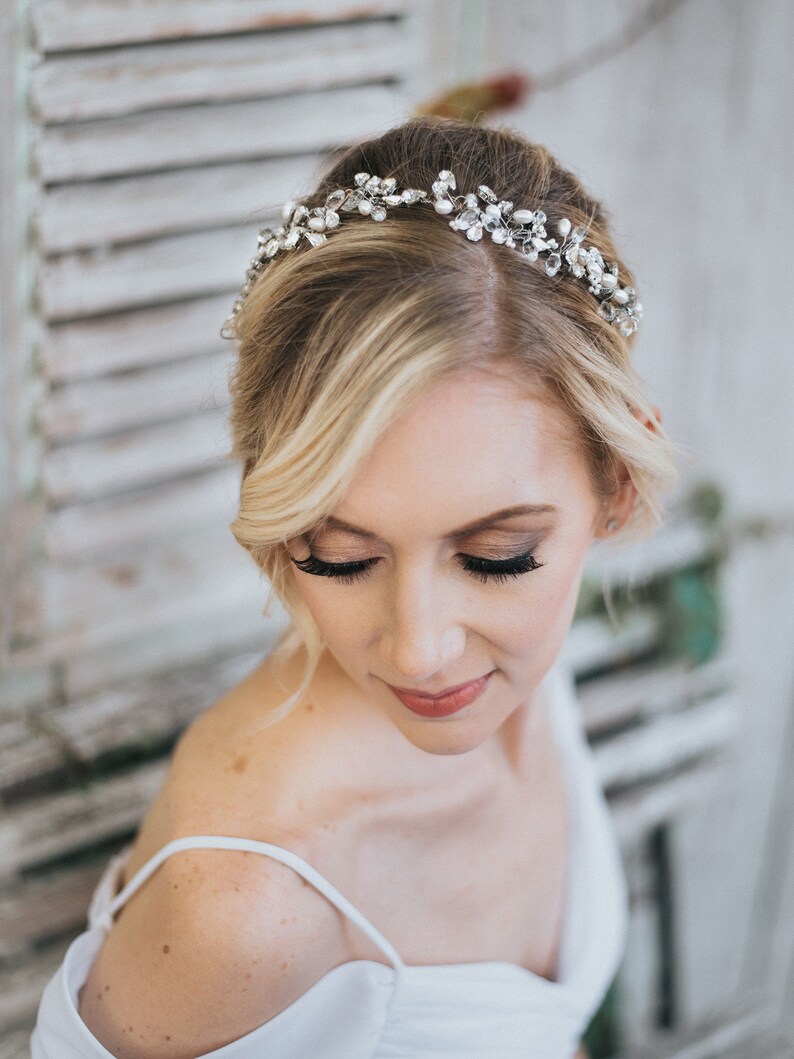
{"x": 484, "y": 570}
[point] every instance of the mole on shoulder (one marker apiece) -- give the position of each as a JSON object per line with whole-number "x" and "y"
{"x": 166, "y": 948}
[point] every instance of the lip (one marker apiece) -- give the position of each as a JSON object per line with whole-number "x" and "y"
{"x": 445, "y": 703}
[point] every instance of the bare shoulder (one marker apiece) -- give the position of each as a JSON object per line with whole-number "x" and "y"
{"x": 216, "y": 943}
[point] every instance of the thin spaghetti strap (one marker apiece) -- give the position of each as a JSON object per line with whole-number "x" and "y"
{"x": 251, "y": 845}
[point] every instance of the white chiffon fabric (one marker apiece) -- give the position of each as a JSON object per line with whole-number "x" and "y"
{"x": 365, "y": 1009}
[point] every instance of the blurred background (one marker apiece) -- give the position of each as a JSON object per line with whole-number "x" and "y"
{"x": 144, "y": 142}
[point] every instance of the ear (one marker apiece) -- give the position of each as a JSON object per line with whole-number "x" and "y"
{"x": 625, "y": 498}
{"x": 620, "y": 507}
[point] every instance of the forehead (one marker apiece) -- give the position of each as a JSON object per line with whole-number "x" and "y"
{"x": 475, "y": 443}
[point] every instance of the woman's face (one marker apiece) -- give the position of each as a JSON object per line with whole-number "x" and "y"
{"x": 416, "y": 617}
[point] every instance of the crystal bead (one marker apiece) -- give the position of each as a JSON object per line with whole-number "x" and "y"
{"x": 627, "y": 325}
{"x": 286, "y": 210}
{"x": 300, "y": 215}
{"x": 471, "y": 201}
{"x": 378, "y": 213}
{"x": 335, "y": 199}
{"x": 578, "y": 233}
{"x": 388, "y": 185}
{"x": 373, "y": 183}
{"x": 448, "y": 178}
{"x": 553, "y": 263}
{"x": 540, "y": 217}
{"x": 439, "y": 188}
{"x": 315, "y": 238}
{"x": 577, "y": 270}
{"x": 475, "y": 232}
{"x": 291, "y": 239}
{"x": 444, "y": 206}
{"x": 411, "y": 195}
{"x": 393, "y": 200}
{"x": 572, "y": 254}
{"x": 492, "y": 223}
{"x": 361, "y": 179}
{"x": 538, "y": 243}
{"x": 351, "y": 202}
{"x": 485, "y": 193}
{"x": 505, "y": 207}
{"x": 523, "y": 217}
{"x": 563, "y": 226}
{"x": 608, "y": 311}
{"x": 331, "y": 219}
{"x": 530, "y": 251}
{"x": 468, "y": 218}
{"x": 499, "y": 235}
{"x": 271, "y": 247}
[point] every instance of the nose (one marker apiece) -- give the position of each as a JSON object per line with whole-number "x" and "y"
{"x": 424, "y": 633}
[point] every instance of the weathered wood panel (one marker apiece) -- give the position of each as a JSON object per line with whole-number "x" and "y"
{"x": 101, "y": 527}
{"x": 196, "y": 135}
{"x": 100, "y": 345}
{"x": 122, "y": 209}
{"x": 123, "y": 402}
{"x": 61, "y": 25}
{"x": 89, "y": 469}
{"x": 141, "y": 274}
{"x": 212, "y": 71}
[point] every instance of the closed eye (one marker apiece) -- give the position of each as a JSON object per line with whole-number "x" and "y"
{"x": 484, "y": 570}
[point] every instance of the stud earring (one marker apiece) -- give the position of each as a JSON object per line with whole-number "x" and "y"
{"x": 612, "y": 524}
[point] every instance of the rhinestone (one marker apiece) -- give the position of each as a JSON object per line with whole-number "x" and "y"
{"x": 361, "y": 179}
{"x": 291, "y": 239}
{"x": 411, "y": 196}
{"x": 553, "y": 264}
{"x": 505, "y": 207}
{"x": 627, "y": 326}
{"x": 578, "y": 233}
{"x": 388, "y": 185}
{"x": 315, "y": 238}
{"x": 485, "y": 193}
{"x": 540, "y": 217}
{"x": 530, "y": 251}
{"x": 393, "y": 200}
{"x": 499, "y": 235}
{"x": 271, "y": 247}
{"x": 378, "y": 213}
{"x": 336, "y": 198}
{"x": 471, "y": 201}
{"x": 608, "y": 311}
{"x": 300, "y": 215}
{"x": 351, "y": 202}
{"x": 331, "y": 219}
{"x": 448, "y": 178}
{"x": 475, "y": 232}
{"x": 439, "y": 188}
{"x": 373, "y": 183}
{"x": 577, "y": 270}
{"x": 468, "y": 218}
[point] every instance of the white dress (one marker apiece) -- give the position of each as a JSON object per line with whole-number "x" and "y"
{"x": 365, "y": 1009}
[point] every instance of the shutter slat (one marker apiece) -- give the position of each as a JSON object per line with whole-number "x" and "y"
{"x": 146, "y": 78}
{"x": 121, "y": 209}
{"x": 127, "y": 340}
{"x": 104, "y": 526}
{"x": 196, "y": 134}
{"x": 161, "y": 270}
{"x": 132, "y": 400}
{"x": 92, "y": 605}
{"x": 127, "y": 461}
{"x": 60, "y": 25}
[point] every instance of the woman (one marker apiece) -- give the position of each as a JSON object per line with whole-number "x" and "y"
{"x": 437, "y": 417}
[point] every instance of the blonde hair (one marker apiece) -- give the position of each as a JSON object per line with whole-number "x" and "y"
{"x": 336, "y": 341}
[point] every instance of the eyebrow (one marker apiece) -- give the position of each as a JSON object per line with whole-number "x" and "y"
{"x": 471, "y": 527}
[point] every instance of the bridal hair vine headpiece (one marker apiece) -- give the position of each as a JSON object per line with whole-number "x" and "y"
{"x": 473, "y": 213}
